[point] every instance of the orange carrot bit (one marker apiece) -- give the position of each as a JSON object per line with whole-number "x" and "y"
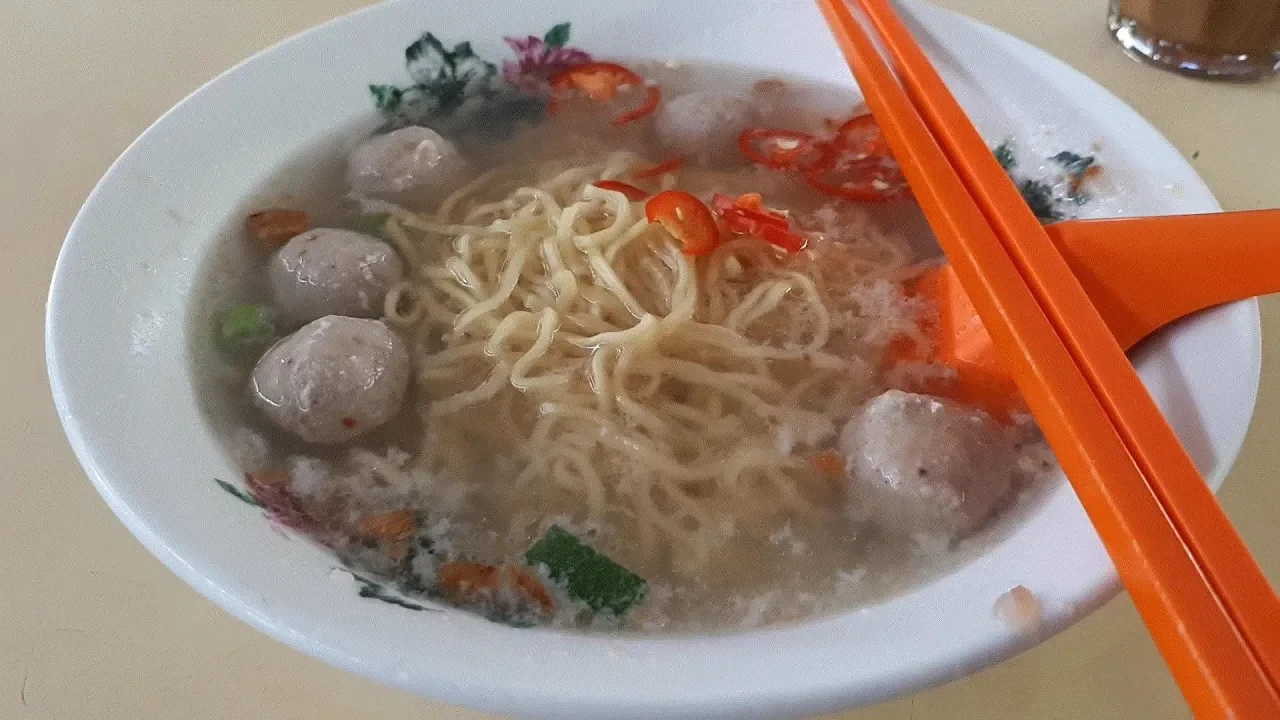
{"x": 276, "y": 226}
{"x": 829, "y": 464}
{"x": 468, "y": 582}
{"x": 532, "y": 588}
{"x": 398, "y": 550}
{"x": 463, "y": 580}
{"x": 1089, "y": 173}
{"x": 903, "y": 350}
{"x": 394, "y": 525}
{"x": 669, "y": 165}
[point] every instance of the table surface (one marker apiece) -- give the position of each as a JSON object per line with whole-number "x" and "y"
{"x": 92, "y": 626}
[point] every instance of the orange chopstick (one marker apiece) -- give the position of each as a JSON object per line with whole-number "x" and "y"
{"x": 1200, "y": 520}
{"x": 1211, "y": 660}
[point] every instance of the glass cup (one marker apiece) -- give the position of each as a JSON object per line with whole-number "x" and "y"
{"x": 1230, "y": 39}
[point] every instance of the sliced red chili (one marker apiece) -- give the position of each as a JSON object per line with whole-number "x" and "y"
{"x": 601, "y": 82}
{"x": 785, "y": 239}
{"x": 671, "y": 164}
{"x": 652, "y": 96}
{"x": 747, "y": 215}
{"x": 849, "y": 175}
{"x": 778, "y": 148}
{"x": 597, "y": 80}
{"x": 631, "y": 191}
{"x": 856, "y": 164}
{"x": 753, "y": 202}
{"x": 861, "y": 135}
{"x": 686, "y": 218}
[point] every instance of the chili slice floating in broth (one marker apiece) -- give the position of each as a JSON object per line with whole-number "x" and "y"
{"x": 854, "y": 164}
{"x": 869, "y": 179}
{"x": 747, "y": 216}
{"x": 601, "y": 82}
{"x": 780, "y": 149}
{"x": 857, "y": 165}
{"x": 671, "y": 164}
{"x": 652, "y": 96}
{"x": 686, "y": 218}
{"x": 631, "y": 191}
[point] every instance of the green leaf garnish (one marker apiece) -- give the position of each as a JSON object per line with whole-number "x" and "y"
{"x": 586, "y": 573}
{"x": 1075, "y": 165}
{"x": 557, "y": 36}
{"x": 369, "y": 224}
{"x": 1004, "y": 154}
{"x": 1039, "y": 197}
{"x": 245, "y": 327}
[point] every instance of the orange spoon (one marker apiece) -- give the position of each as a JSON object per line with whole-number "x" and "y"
{"x": 1140, "y": 273}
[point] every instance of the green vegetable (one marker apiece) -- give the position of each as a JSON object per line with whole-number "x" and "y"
{"x": 245, "y": 327}
{"x": 587, "y": 574}
{"x": 1039, "y": 197}
{"x": 372, "y": 224}
{"x": 1004, "y": 154}
{"x": 1075, "y": 165}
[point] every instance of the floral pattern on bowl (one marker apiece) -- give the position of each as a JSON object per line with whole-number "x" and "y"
{"x": 283, "y": 510}
{"x": 451, "y": 84}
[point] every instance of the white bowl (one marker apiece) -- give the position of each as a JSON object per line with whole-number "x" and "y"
{"x": 121, "y": 376}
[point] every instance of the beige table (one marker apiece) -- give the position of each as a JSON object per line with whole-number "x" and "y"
{"x": 91, "y": 626}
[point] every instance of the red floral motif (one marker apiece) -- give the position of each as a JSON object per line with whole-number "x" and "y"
{"x": 536, "y": 61}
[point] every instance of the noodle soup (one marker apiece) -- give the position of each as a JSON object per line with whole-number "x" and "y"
{"x": 619, "y": 352}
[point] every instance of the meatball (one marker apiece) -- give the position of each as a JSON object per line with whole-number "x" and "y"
{"x": 413, "y": 160}
{"x": 705, "y": 126}
{"x": 333, "y": 380}
{"x": 922, "y": 467}
{"x": 333, "y": 272}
